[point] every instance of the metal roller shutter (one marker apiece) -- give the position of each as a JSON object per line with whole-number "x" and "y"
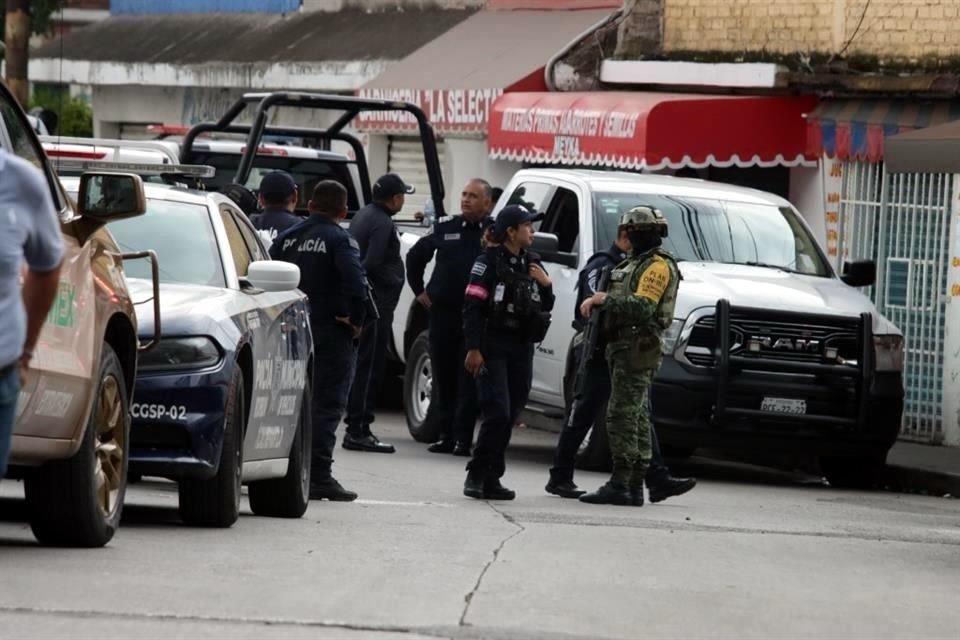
{"x": 406, "y": 160}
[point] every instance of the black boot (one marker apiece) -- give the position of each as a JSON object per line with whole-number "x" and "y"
{"x": 330, "y": 489}
{"x": 442, "y": 446}
{"x": 462, "y": 449}
{"x": 669, "y": 487}
{"x": 636, "y": 496}
{"x": 611, "y": 493}
{"x": 473, "y": 486}
{"x": 493, "y": 490}
{"x": 563, "y": 487}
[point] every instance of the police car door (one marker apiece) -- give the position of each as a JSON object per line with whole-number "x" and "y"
{"x": 280, "y": 352}
{"x": 562, "y": 219}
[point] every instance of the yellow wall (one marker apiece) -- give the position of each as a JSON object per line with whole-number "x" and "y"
{"x": 890, "y": 29}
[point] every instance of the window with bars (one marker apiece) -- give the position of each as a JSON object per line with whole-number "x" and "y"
{"x": 902, "y": 221}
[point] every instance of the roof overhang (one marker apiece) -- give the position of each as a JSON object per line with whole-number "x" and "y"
{"x": 932, "y": 150}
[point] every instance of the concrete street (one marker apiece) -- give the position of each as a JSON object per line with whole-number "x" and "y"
{"x": 750, "y": 553}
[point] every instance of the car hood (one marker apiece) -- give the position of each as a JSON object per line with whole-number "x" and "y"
{"x": 183, "y": 308}
{"x": 704, "y": 283}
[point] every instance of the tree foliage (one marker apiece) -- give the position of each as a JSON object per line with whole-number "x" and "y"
{"x": 42, "y": 14}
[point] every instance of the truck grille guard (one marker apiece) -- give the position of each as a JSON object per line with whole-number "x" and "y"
{"x": 727, "y": 363}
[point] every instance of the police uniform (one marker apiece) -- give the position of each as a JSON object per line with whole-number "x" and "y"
{"x": 272, "y": 222}
{"x": 596, "y": 392}
{"x": 638, "y": 309}
{"x": 456, "y": 243}
{"x": 333, "y": 279}
{"x": 505, "y": 312}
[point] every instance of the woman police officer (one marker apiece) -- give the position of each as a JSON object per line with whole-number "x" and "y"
{"x": 506, "y": 311}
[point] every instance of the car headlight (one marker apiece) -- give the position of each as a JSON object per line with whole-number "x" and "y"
{"x": 173, "y": 354}
{"x": 668, "y": 342}
{"x": 889, "y": 352}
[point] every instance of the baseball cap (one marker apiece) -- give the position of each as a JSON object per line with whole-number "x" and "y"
{"x": 514, "y": 215}
{"x": 390, "y": 185}
{"x": 277, "y": 183}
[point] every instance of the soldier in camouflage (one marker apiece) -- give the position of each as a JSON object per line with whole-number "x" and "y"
{"x": 637, "y": 309}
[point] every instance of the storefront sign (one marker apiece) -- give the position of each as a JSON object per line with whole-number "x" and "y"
{"x": 448, "y": 110}
{"x": 832, "y": 186}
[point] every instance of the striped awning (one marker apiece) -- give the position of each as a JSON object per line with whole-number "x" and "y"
{"x": 857, "y": 129}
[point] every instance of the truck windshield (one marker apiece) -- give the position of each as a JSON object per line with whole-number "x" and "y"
{"x": 306, "y": 172}
{"x": 707, "y": 230}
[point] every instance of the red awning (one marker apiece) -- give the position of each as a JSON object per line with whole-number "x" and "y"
{"x": 650, "y": 130}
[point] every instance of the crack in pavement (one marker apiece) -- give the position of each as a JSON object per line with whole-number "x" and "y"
{"x": 468, "y": 599}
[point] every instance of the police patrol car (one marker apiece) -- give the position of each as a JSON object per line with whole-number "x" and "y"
{"x": 225, "y": 397}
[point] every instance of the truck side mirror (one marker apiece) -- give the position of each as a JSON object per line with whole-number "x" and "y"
{"x": 859, "y": 273}
{"x": 547, "y": 245}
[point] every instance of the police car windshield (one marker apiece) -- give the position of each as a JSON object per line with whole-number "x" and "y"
{"x": 181, "y": 234}
{"x": 708, "y": 230}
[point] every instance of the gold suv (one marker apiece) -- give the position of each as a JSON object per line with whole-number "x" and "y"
{"x": 71, "y": 440}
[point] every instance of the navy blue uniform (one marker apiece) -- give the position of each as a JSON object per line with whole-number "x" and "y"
{"x": 274, "y": 221}
{"x": 504, "y": 314}
{"x": 332, "y": 277}
{"x": 456, "y": 243}
{"x": 596, "y": 391}
{"x": 379, "y": 243}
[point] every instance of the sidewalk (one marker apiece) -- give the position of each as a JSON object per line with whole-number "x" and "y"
{"x": 924, "y": 468}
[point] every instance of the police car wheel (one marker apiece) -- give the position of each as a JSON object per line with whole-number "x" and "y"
{"x": 419, "y": 392}
{"x": 215, "y": 502}
{"x": 78, "y": 502}
{"x": 289, "y": 496}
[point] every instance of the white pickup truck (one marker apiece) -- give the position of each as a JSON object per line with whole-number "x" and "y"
{"x": 770, "y": 351}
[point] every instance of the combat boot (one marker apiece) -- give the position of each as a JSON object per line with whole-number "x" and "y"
{"x": 612, "y": 492}
{"x": 636, "y": 496}
{"x": 473, "y": 486}
{"x": 669, "y": 487}
{"x": 493, "y": 490}
{"x": 563, "y": 487}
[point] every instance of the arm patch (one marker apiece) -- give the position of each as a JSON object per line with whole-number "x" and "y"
{"x": 654, "y": 281}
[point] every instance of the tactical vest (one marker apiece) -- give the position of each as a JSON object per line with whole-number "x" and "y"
{"x": 623, "y": 283}
{"x": 517, "y": 306}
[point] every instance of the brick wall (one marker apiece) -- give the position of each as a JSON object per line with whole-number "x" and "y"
{"x": 890, "y": 29}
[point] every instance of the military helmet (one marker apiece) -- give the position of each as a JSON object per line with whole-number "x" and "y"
{"x": 643, "y": 218}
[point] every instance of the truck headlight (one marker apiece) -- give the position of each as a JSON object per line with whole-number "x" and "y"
{"x": 889, "y": 352}
{"x": 668, "y": 342}
{"x": 175, "y": 354}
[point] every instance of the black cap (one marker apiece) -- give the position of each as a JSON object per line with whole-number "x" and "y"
{"x": 278, "y": 183}
{"x": 390, "y": 185}
{"x": 514, "y": 215}
{"x": 242, "y": 197}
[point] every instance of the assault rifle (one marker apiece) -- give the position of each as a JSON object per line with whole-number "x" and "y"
{"x": 591, "y": 333}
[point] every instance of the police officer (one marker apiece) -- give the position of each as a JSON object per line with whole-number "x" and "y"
{"x": 456, "y": 242}
{"x": 637, "y": 310}
{"x": 596, "y": 392}
{"x": 278, "y": 199}
{"x": 332, "y": 277}
{"x": 379, "y": 242}
{"x": 505, "y": 312}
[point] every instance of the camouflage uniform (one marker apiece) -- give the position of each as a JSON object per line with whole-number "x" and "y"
{"x": 639, "y": 308}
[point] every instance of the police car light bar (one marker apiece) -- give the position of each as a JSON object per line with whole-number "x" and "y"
{"x": 139, "y": 168}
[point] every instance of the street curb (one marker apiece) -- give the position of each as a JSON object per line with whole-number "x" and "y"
{"x": 911, "y": 479}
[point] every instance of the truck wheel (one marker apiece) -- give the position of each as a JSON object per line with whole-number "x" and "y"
{"x": 418, "y": 392}
{"x": 77, "y": 502}
{"x": 853, "y": 472}
{"x": 215, "y": 502}
{"x": 288, "y": 497}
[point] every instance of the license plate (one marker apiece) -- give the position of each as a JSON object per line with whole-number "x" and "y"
{"x": 784, "y": 405}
